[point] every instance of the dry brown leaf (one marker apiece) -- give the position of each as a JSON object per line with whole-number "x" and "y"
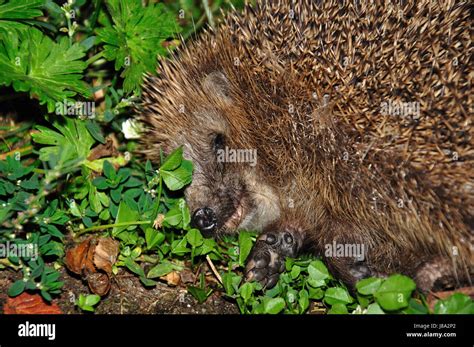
{"x": 106, "y": 253}
{"x": 91, "y": 256}
{"x": 29, "y": 304}
{"x": 79, "y": 257}
{"x": 103, "y": 150}
{"x": 187, "y": 276}
{"x": 99, "y": 283}
{"x": 172, "y": 278}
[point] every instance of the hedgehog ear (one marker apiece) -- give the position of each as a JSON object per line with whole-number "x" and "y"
{"x": 217, "y": 83}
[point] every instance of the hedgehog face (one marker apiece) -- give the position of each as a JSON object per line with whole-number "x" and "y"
{"x": 218, "y": 196}
{"x": 226, "y": 193}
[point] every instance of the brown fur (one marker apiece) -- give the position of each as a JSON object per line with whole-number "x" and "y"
{"x": 306, "y": 91}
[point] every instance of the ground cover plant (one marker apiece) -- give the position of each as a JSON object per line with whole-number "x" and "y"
{"x": 76, "y": 195}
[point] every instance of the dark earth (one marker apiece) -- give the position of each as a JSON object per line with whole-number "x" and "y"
{"x": 128, "y": 296}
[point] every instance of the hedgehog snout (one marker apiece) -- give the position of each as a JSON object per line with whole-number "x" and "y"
{"x": 205, "y": 220}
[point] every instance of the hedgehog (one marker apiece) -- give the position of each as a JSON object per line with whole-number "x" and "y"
{"x": 340, "y": 129}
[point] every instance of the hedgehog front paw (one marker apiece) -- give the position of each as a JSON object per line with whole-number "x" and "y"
{"x": 267, "y": 259}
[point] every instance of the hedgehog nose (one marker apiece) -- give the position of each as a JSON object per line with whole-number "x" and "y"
{"x": 205, "y": 220}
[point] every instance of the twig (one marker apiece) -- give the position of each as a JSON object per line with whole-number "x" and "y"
{"x": 213, "y": 268}
{"x": 26, "y": 149}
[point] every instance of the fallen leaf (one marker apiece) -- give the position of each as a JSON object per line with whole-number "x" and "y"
{"x": 106, "y": 253}
{"x": 172, "y": 278}
{"x": 99, "y": 283}
{"x": 89, "y": 258}
{"x": 79, "y": 258}
{"x": 103, "y": 150}
{"x": 187, "y": 276}
{"x": 26, "y": 303}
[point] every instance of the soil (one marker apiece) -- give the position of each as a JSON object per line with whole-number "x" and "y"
{"x": 128, "y": 296}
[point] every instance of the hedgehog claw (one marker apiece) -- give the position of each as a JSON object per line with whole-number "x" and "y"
{"x": 267, "y": 259}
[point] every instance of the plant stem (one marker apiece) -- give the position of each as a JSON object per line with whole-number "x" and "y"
{"x": 95, "y": 57}
{"x": 108, "y": 226}
{"x": 208, "y": 11}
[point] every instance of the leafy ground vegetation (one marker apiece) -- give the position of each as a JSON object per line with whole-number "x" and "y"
{"x": 80, "y": 212}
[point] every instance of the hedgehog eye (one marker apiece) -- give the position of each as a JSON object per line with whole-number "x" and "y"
{"x": 218, "y": 142}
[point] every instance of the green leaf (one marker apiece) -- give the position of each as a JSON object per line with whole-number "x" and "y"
{"x": 368, "y": 286}
{"x": 95, "y": 131}
{"x": 318, "y": 274}
{"x": 337, "y": 295}
{"x": 92, "y": 300}
{"x": 303, "y": 300}
{"x": 73, "y": 140}
{"x": 194, "y": 237}
{"x": 174, "y": 216}
{"x": 147, "y": 282}
{"x": 316, "y": 293}
{"x": 94, "y": 201}
{"x": 21, "y": 9}
{"x": 179, "y": 247}
{"x": 87, "y": 303}
{"x": 295, "y": 271}
{"x": 174, "y": 160}
{"x": 245, "y": 246}
{"x": 109, "y": 170}
{"x": 374, "y": 308}
{"x": 50, "y": 71}
{"x": 317, "y": 270}
{"x": 153, "y": 237}
{"x": 395, "y": 292}
{"x": 185, "y": 214}
{"x": 135, "y": 38}
{"x": 274, "y": 305}
{"x": 209, "y": 245}
{"x": 457, "y": 303}
{"x": 231, "y": 282}
{"x": 124, "y": 214}
{"x": 177, "y": 179}
{"x": 246, "y": 291}
{"x": 46, "y": 295}
{"x": 160, "y": 270}
{"x": 100, "y": 182}
{"x": 200, "y": 294}
{"x": 415, "y": 307}
{"x": 52, "y": 230}
{"x": 134, "y": 267}
{"x": 15, "y": 10}
{"x": 16, "y": 288}
{"x": 338, "y": 308}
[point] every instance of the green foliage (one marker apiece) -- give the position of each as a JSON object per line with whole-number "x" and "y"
{"x": 135, "y": 38}
{"x": 72, "y": 138}
{"x": 457, "y": 303}
{"x": 87, "y": 302}
{"x": 50, "y": 71}
{"x": 14, "y": 14}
